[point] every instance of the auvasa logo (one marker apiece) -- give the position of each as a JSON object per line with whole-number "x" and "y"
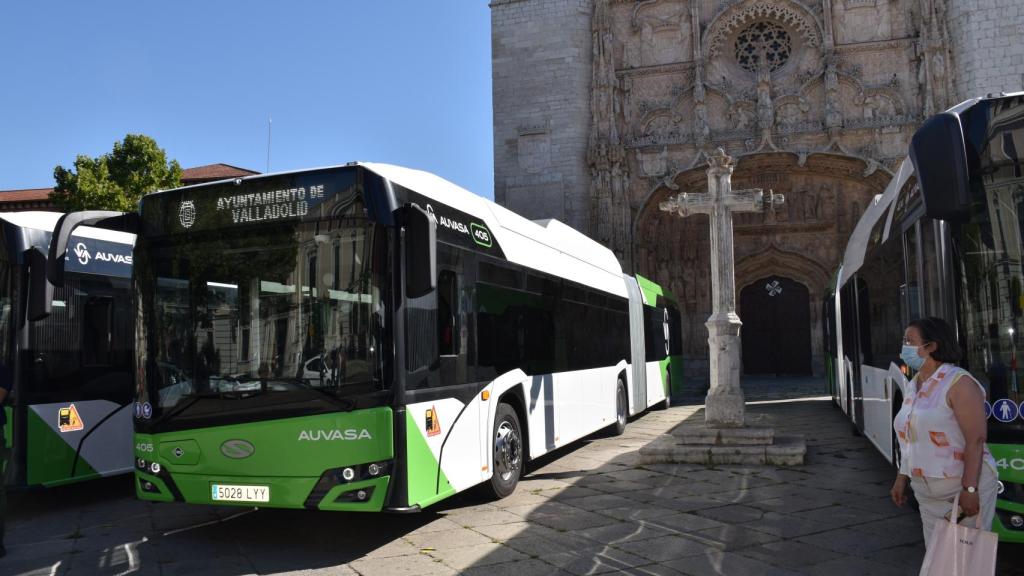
{"x": 82, "y": 252}
{"x": 324, "y": 435}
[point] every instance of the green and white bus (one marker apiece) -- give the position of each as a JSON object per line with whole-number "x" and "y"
{"x": 68, "y": 353}
{"x": 369, "y": 337}
{"x": 945, "y": 239}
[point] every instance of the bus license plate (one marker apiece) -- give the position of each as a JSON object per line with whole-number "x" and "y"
{"x": 233, "y": 493}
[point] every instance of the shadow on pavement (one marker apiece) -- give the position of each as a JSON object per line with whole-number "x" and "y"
{"x": 594, "y": 509}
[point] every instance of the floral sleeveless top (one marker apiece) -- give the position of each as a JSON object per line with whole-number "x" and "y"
{"x": 931, "y": 442}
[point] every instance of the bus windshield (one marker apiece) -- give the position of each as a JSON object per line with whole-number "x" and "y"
{"x": 258, "y": 323}
{"x": 989, "y": 250}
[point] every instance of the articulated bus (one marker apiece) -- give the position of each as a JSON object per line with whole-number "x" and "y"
{"x": 68, "y": 352}
{"x": 368, "y": 337}
{"x": 945, "y": 239}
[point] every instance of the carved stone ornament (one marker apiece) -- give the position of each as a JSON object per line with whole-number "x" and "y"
{"x": 740, "y": 16}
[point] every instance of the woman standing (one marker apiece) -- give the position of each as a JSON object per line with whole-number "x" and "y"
{"x": 942, "y": 430}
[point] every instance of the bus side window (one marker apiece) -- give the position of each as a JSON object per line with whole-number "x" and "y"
{"x": 97, "y": 342}
{"x": 913, "y": 274}
{"x": 447, "y": 313}
{"x": 655, "y": 342}
{"x": 930, "y": 268}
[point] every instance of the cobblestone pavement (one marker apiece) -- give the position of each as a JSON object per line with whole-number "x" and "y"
{"x": 589, "y": 509}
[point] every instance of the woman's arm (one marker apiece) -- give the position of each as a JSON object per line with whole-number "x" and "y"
{"x": 968, "y": 404}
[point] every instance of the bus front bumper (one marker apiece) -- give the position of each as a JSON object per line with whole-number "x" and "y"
{"x": 343, "y": 489}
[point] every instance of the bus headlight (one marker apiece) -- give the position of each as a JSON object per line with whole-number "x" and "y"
{"x": 373, "y": 469}
{"x": 348, "y": 474}
{"x": 1017, "y": 521}
{"x": 141, "y": 462}
{"x": 154, "y": 468}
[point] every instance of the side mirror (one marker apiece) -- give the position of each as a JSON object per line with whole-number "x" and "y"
{"x": 420, "y": 252}
{"x": 40, "y": 291}
{"x": 939, "y": 154}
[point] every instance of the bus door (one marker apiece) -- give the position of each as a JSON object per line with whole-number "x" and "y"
{"x": 445, "y": 415}
{"x": 850, "y": 358}
{"x": 76, "y": 382}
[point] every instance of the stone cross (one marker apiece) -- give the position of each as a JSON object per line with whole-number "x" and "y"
{"x": 724, "y": 404}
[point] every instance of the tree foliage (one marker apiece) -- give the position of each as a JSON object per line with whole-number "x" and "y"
{"x": 117, "y": 180}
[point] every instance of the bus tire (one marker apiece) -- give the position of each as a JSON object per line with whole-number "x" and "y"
{"x": 851, "y": 412}
{"x": 508, "y": 453}
{"x": 621, "y": 409}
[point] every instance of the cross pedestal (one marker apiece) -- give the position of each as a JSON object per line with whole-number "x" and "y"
{"x": 724, "y": 415}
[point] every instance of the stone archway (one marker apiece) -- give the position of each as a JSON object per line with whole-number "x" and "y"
{"x": 804, "y": 241}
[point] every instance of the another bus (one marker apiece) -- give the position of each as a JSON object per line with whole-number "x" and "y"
{"x": 367, "y": 337}
{"x": 945, "y": 239}
{"x": 69, "y": 354}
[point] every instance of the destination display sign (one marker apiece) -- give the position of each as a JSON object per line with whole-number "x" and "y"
{"x": 286, "y": 197}
{"x": 101, "y": 257}
{"x": 271, "y": 205}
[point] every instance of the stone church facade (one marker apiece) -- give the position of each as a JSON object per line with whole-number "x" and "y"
{"x": 605, "y": 108}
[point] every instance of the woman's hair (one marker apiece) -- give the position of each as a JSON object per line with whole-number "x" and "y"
{"x": 937, "y": 330}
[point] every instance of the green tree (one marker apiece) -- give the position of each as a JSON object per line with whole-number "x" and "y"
{"x": 117, "y": 180}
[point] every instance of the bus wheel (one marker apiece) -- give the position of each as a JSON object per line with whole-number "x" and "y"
{"x": 508, "y": 453}
{"x": 667, "y": 402}
{"x": 621, "y": 409}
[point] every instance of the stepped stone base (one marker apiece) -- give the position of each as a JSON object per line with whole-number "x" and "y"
{"x": 748, "y": 445}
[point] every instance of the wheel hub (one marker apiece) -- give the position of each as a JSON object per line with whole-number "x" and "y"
{"x": 507, "y": 453}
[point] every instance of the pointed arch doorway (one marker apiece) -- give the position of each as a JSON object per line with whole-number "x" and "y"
{"x": 776, "y": 332}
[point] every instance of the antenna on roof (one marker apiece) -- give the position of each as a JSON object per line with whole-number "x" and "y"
{"x": 270, "y": 123}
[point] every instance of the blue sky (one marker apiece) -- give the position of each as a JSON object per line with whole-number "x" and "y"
{"x": 400, "y": 81}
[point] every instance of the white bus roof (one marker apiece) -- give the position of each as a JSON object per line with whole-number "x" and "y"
{"x": 547, "y": 245}
{"x": 46, "y": 221}
{"x": 857, "y": 246}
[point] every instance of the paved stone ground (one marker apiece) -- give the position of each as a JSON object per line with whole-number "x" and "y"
{"x": 758, "y": 388}
{"x": 587, "y": 510}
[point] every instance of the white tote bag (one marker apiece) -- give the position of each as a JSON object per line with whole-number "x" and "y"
{"x": 956, "y": 550}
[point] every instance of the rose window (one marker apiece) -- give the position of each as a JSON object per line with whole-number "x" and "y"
{"x": 765, "y": 38}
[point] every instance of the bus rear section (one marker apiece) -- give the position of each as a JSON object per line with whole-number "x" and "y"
{"x": 69, "y": 418}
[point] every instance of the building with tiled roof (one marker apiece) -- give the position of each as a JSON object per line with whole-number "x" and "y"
{"x": 212, "y": 172}
{"x": 26, "y": 199}
{"x": 39, "y": 198}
